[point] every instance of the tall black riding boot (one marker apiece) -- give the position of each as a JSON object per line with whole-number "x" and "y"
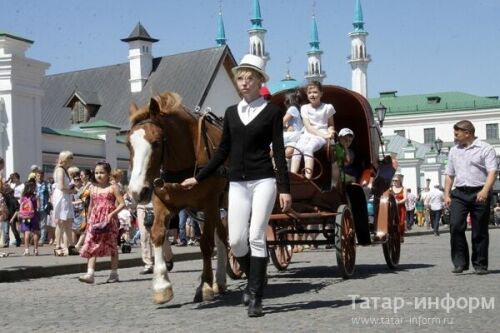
{"x": 244, "y": 263}
{"x": 256, "y": 284}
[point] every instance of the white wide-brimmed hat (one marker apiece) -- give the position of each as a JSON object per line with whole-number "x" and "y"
{"x": 253, "y": 62}
{"x": 346, "y": 131}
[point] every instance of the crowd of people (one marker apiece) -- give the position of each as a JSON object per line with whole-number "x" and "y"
{"x": 426, "y": 208}
{"x": 66, "y": 210}
{"x": 89, "y": 213}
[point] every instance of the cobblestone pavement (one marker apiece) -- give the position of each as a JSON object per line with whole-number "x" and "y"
{"x": 421, "y": 295}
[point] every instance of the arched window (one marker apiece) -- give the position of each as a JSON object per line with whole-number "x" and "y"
{"x": 259, "y": 50}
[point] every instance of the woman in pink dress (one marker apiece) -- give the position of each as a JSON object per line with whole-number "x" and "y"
{"x": 102, "y": 234}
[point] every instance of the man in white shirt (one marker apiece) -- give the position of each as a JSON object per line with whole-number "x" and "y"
{"x": 472, "y": 169}
{"x": 436, "y": 201}
{"x": 411, "y": 200}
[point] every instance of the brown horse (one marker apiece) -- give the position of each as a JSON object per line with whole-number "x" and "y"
{"x": 167, "y": 143}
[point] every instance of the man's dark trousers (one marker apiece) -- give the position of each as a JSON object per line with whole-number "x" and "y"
{"x": 463, "y": 202}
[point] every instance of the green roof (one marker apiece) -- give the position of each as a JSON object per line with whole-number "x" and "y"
{"x": 121, "y": 138}
{"x": 99, "y": 124}
{"x": 67, "y": 132}
{"x": 432, "y": 102}
{"x": 8, "y": 34}
{"x": 285, "y": 84}
{"x": 396, "y": 143}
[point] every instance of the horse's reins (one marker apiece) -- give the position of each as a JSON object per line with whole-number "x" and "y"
{"x": 207, "y": 140}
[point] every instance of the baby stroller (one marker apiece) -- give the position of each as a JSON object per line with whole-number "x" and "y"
{"x": 123, "y": 242}
{"x": 124, "y": 231}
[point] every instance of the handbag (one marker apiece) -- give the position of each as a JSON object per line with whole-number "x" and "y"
{"x": 48, "y": 208}
{"x": 149, "y": 218}
{"x": 100, "y": 228}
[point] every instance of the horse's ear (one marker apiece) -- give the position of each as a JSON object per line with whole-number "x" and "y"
{"x": 154, "y": 107}
{"x": 132, "y": 109}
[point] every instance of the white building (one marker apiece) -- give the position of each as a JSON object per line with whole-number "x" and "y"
{"x": 20, "y": 99}
{"x": 86, "y": 111}
{"x": 426, "y": 118}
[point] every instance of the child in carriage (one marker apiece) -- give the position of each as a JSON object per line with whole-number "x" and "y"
{"x": 319, "y": 127}
{"x": 292, "y": 122}
{"x": 343, "y": 167}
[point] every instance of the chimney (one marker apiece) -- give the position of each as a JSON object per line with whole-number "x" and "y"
{"x": 140, "y": 56}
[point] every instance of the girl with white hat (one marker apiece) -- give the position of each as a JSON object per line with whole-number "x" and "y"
{"x": 250, "y": 127}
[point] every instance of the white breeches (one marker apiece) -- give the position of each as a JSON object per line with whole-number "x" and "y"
{"x": 308, "y": 144}
{"x": 250, "y": 201}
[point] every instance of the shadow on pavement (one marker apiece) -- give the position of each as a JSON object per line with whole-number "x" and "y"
{"x": 360, "y": 272}
{"x": 273, "y": 290}
{"x": 305, "y": 306}
{"x": 365, "y": 271}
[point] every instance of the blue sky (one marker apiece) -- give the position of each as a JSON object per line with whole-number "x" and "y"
{"x": 417, "y": 46}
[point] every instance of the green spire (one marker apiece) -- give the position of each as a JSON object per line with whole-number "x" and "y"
{"x": 359, "y": 24}
{"x": 314, "y": 42}
{"x": 221, "y": 34}
{"x": 256, "y": 18}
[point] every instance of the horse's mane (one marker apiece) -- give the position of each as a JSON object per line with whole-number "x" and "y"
{"x": 169, "y": 102}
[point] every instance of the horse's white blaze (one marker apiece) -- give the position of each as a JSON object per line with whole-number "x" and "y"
{"x": 160, "y": 275}
{"x": 142, "y": 154}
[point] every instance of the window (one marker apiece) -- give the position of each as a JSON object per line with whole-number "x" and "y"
{"x": 429, "y": 136}
{"x": 491, "y": 131}
{"x": 80, "y": 113}
{"x": 433, "y": 99}
{"x": 400, "y": 133}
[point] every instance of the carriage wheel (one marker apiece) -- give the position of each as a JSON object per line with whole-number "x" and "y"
{"x": 281, "y": 254}
{"x": 392, "y": 247}
{"x": 233, "y": 267}
{"x": 345, "y": 241}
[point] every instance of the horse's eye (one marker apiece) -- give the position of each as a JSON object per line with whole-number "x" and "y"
{"x": 155, "y": 144}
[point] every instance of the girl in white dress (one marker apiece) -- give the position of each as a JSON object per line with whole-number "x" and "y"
{"x": 319, "y": 127}
{"x": 292, "y": 122}
{"x": 62, "y": 200}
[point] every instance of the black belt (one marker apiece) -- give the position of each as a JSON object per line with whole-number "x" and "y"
{"x": 469, "y": 189}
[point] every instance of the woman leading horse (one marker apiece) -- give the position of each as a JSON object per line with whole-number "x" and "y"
{"x": 249, "y": 129}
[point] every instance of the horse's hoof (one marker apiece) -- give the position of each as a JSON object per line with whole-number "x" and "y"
{"x": 163, "y": 296}
{"x": 207, "y": 292}
{"x": 219, "y": 289}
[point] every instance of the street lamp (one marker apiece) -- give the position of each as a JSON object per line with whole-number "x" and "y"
{"x": 381, "y": 110}
{"x": 439, "y": 145}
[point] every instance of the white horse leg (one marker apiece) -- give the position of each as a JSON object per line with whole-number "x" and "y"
{"x": 162, "y": 288}
{"x": 220, "y": 284}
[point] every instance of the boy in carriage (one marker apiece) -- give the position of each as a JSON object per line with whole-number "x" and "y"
{"x": 344, "y": 168}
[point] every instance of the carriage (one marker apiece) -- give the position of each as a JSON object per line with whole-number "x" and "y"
{"x": 167, "y": 143}
{"x": 338, "y": 213}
